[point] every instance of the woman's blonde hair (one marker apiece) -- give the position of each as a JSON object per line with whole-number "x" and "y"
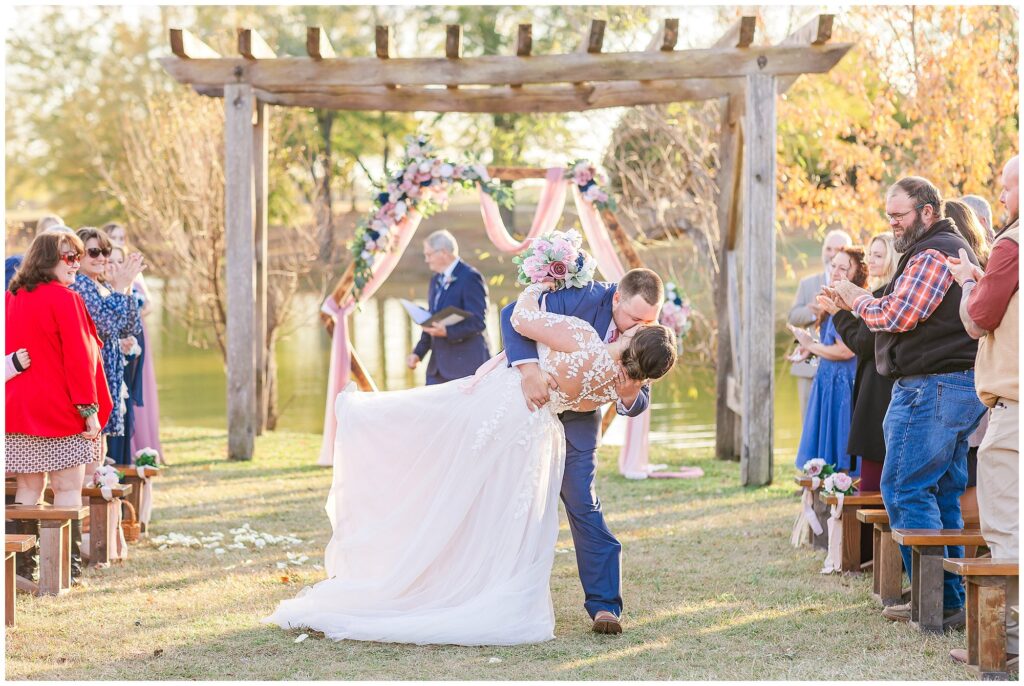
{"x": 891, "y": 258}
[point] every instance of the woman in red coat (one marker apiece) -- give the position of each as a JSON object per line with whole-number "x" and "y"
{"x": 56, "y": 407}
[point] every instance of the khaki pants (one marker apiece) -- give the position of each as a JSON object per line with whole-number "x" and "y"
{"x": 998, "y": 506}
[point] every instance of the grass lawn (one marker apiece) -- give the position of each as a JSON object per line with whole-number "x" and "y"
{"x": 712, "y": 590}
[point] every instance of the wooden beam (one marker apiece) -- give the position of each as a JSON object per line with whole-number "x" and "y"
{"x": 730, "y": 150}
{"x": 529, "y": 99}
{"x": 666, "y": 37}
{"x": 382, "y": 40}
{"x": 715, "y": 63}
{"x": 621, "y": 240}
{"x": 524, "y": 40}
{"x": 742, "y": 30}
{"x": 318, "y": 45}
{"x": 516, "y": 173}
{"x": 251, "y": 46}
{"x": 453, "y": 41}
{"x": 758, "y": 346}
{"x": 238, "y": 225}
{"x": 817, "y": 31}
{"x": 595, "y": 37}
{"x": 186, "y": 46}
{"x": 260, "y": 153}
{"x": 453, "y": 44}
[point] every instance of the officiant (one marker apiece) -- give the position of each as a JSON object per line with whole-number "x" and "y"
{"x": 458, "y": 348}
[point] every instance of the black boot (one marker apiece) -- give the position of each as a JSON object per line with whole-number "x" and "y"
{"x": 27, "y": 563}
{"x": 76, "y": 552}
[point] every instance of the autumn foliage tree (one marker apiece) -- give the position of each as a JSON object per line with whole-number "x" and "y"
{"x": 927, "y": 91}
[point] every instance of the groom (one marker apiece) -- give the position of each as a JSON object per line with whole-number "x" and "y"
{"x": 611, "y": 309}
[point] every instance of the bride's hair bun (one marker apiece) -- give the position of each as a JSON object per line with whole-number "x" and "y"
{"x": 651, "y": 353}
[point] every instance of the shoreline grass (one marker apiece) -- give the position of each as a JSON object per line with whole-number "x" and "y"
{"x": 712, "y": 590}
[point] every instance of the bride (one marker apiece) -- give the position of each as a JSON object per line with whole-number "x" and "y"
{"x": 444, "y": 502}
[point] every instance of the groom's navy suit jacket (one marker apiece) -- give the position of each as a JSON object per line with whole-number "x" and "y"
{"x": 464, "y": 348}
{"x": 591, "y": 303}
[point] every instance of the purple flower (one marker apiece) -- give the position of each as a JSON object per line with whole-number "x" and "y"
{"x": 558, "y": 269}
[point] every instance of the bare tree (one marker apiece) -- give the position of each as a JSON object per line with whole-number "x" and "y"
{"x": 169, "y": 178}
{"x": 662, "y": 162}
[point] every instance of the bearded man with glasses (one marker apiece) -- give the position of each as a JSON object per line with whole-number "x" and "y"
{"x": 921, "y": 342}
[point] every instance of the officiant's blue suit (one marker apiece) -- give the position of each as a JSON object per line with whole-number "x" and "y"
{"x": 464, "y": 348}
{"x": 597, "y": 549}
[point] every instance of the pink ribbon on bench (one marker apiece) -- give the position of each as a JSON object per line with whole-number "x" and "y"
{"x": 146, "y": 497}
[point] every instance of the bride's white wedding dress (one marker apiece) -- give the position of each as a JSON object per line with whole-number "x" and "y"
{"x": 444, "y": 502}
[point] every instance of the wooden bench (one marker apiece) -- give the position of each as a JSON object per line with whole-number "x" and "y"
{"x": 887, "y": 570}
{"x": 13, "y": 544}
{"x": 131, "y": 476}
{"x": 818, "y": 541}
{"x": 103, "y": 517}
{"x": 928, "y": 548}
{"x": 851, "y": 559}
{"x": 54, "y": 543}
{"x": 986, "y": 579}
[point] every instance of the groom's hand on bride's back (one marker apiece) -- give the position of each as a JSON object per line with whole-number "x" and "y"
{"x": 536, "y": 383}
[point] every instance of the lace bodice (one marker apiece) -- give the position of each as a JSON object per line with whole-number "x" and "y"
{"x": 570, "y": 350}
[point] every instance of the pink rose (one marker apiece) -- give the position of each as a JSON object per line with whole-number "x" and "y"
{"x": 558, "y": 269}
{"x": 842, "y": 481}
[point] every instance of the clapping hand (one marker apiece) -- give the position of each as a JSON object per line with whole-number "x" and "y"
{"x": 827, "y": 303}
{"x": 963, "y": 269}
{"x": 845, "y": 293}
{"x": 803, "y": 336}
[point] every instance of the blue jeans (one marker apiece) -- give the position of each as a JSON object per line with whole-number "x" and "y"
{"x": 926, "y": 428}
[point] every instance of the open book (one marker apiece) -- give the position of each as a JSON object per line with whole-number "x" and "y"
{"x": 446, "y": 317}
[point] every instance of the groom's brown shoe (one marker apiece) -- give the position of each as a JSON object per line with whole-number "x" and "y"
{"x": 606, "y": 623}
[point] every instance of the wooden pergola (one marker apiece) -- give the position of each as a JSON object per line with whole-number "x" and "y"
{"x": 746, "y": 77}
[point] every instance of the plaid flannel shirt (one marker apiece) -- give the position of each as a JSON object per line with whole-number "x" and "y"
{"x": 916, "y": 294}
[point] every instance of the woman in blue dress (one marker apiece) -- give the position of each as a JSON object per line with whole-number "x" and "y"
{"x": 830, "y": 406}
{"x": 105, "y": 289}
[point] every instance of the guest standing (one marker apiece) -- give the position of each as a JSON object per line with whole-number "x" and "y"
{"x": 806, "y": 311}
{"x": 970, "y": 228}
{"x": 827, "y": 426}
{"x": 990, "y": 310}
{"x": 146, "y": 417}
{"x": 56, "y": 407}
{"x": 133, "y": 351}
{"x": 983, "y": 211}
{"x": 871, "y": 390}
{"x": 456, "y": 350}
{"x": 921, "y": 343}
{"x": 11, "y": 264}
{"x": 104, "y": 290}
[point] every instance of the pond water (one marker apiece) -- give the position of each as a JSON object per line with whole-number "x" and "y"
{"x": 192, "y": 381}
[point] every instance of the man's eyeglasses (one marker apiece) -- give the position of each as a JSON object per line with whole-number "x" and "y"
{"x": 898, "y": 216}
{"x": 96, "y": 252}
{"x": 71, "y": 258}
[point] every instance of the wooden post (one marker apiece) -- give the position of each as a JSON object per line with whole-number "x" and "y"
{"x": 730, "y": 164}
{"x": 260, "y": 144}
{"x": 758, "y": 345}
{"x": 241, "y": 259}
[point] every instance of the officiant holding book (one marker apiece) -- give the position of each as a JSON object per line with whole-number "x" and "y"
{"x": 457, "y": 347}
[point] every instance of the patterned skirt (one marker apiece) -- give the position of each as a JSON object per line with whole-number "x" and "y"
{"x": 27, "y": 454}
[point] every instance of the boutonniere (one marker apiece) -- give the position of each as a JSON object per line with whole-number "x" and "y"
{"x": 449, "y": 281}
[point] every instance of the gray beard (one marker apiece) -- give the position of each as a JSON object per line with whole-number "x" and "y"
{"x": 910, "y": 236}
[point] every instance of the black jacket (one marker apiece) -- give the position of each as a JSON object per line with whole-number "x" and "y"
{"x": 939, "y": 344}
{"x": 871, "y": 390}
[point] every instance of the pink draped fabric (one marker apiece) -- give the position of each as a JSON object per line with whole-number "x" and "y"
{"x": 340, "y": 366}
{"x": 545, "y": 218}
{"x": 147, "y": 417}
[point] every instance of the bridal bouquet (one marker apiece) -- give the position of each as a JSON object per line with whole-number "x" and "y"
{"x": 557, "y": 256}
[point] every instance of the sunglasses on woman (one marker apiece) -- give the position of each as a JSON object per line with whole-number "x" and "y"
{"x": 71, "y": 258}
{"x": 96, "y": 252}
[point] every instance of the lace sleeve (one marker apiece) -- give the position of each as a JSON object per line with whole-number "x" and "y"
{"x": 557, "y": 331}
